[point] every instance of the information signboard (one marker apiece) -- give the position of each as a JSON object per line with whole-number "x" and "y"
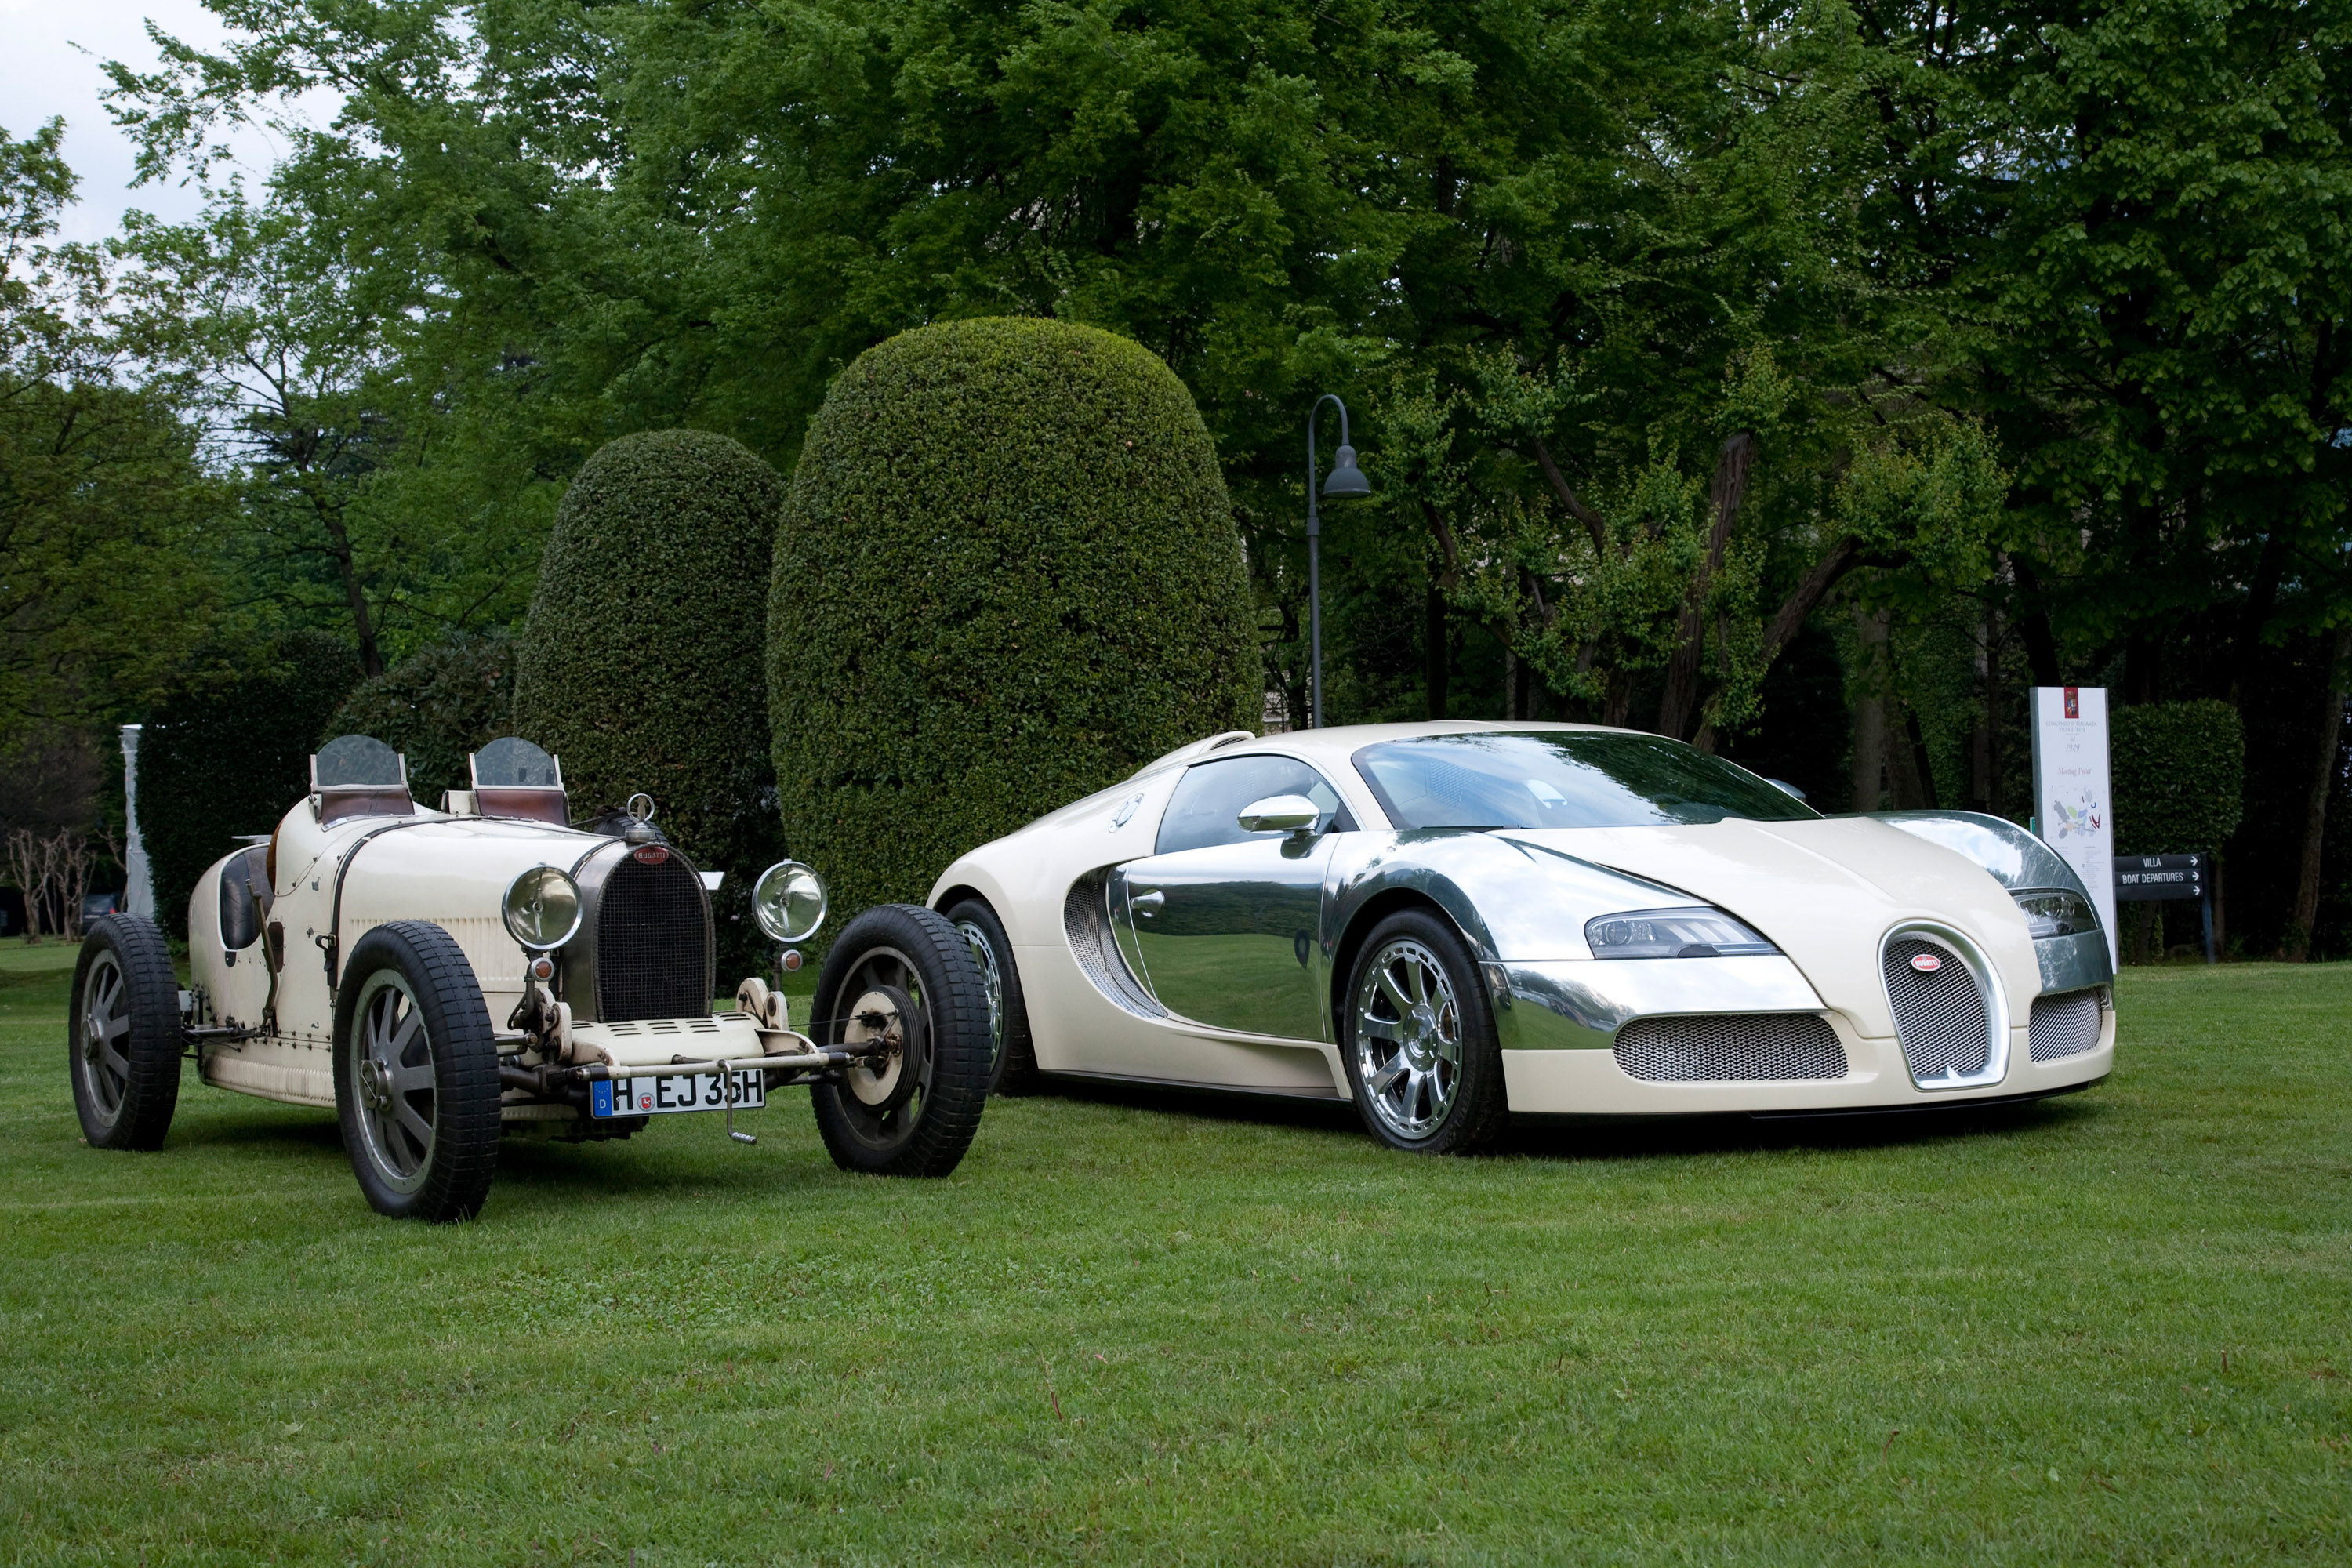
{"x": 2072, "y": 803}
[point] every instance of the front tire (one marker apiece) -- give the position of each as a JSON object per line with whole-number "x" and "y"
{"x": 1418, "y": 1037}
{"x": 417, "y": 1074}
{"x": 122, "y": 1037}
{"x": 904, "y": 975}
{"x": 1015, "y": 1063}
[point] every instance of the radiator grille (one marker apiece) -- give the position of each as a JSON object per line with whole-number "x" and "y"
{"x": 2065, "y": 1025}
{"x": 653, "y": 943}
{"x": 1086, "y": 921}
{"x": 1724, "y": 1050}
{"x": 1940, "y": 1015}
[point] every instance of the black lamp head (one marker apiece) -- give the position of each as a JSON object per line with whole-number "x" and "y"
{"x": 1347, "y": 481}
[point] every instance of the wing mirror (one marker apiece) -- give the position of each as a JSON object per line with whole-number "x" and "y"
{"x": 1280, "y": 814}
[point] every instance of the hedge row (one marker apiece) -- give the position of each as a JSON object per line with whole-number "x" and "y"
{"x": 1008, "y": 574}
{"x": 2179, "y": 774}
{"x": 230, "y": 754}
{"x": 640, "y": 665}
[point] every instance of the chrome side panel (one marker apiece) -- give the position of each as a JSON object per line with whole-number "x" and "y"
{"x": 1579, "y": 1005}
{"x": 1515, "y": 902}
{"x": 2072, "y": 962}
{"x": 2014, "y": 856}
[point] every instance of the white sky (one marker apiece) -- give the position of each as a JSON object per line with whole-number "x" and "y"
{"x": 42, "y": 74}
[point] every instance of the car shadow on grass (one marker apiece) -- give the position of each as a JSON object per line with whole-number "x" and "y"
{"x": 1620, "y": 1138}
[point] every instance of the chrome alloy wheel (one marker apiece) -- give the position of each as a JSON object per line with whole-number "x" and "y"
{"x": 392, "y": 1070}
{"x": 1408, "y": 1039}
{"x": 105, "y": 1032}
{"x": 992, "y": 982}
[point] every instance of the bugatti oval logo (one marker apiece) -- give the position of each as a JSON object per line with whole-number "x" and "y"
{"x": 649, "y": 854}
{"x": 1926, "y": 963}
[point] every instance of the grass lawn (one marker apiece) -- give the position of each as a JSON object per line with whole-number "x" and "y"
{"x": 2116, "y": 1326}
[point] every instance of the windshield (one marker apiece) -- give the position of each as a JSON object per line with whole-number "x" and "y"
{"x": 1564, "y": 778}
{"x": 512, "y": 763}
{"x": 356, "y": 762}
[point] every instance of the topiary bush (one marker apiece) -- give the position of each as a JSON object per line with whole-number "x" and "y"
{"x": 2178, "y": 777}
{"x": 1008, "y": 574}
{"x": 435, "y": 706}
{"x": 230, "y": 751}
{"x": 640, "y": 665}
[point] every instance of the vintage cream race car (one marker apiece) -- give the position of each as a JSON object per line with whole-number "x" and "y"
{"x": 1451, "y": 924}
{"x": 442, "y": 978}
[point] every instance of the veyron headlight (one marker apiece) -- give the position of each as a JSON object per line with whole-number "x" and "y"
{"x": 542, "y": 909}
{"x": 2054, "y": 911}
{"x": 789, "y": 901}
{"x": 1696, "y": 933}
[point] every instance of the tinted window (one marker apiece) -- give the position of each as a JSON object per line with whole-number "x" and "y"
{"x": 1210, "y": 795}
{"x": 1564, "y": 779}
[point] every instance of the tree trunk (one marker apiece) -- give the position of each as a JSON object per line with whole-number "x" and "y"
{"x": 1732, "y": 463}
{"x": 2315, "y": 811}
{"x": 1870, "y": 727}
{"x": 1435, "y": 662}
{"x": 2033, "y": 624}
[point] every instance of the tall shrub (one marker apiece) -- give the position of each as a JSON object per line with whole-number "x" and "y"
{"x": 435, "y": 706}
{"x": 230, "y": 751}
{"x": 1008, "y": 573}
{"x": 2180, "y": 776}
{"x": 640, "y": 665}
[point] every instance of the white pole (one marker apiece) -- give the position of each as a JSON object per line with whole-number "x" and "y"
{"x": 138, "y": 896}
{"x": 2073, "y": 801}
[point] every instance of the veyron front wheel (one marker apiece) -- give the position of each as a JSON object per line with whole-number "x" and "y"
{"x": 1013, "y": 1064}
{"x": 1418, "y": 1040}
{"x": 417, "y": 1074}
{"x": 123, "y": 1035}
{"x": 901, "y": 981}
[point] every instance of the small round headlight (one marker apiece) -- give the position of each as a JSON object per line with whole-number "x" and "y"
{"x": 789, "y": 901}
{"x": 542, "y": 909}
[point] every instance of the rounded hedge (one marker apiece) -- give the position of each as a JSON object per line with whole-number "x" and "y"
{"x": 2178, "y": 777}
{"x": 230, "y": 751}
{"x": 640, "y": 664}
{"x": 435, "y": 706}
{"x": 1008, "y": 574}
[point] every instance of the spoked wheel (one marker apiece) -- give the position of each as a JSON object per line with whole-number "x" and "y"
{"x": 903, "y": 980}
{"x": 417, "y": 1074}
{"x": 123, "y": 1035}
{"x": 1013, "y": 1068}
{"x": 1422, "y": 1061}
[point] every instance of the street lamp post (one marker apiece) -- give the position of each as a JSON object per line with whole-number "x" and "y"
{"x": 1347, "y": 483}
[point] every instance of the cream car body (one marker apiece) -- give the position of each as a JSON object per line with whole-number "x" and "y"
{"x": 1248, "y": 991}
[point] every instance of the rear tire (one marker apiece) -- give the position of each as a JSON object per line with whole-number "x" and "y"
{"x": 417, "y": 1074}
{"x": 122, "y": 1038}
{"x": 1418, "y": 1039}
{"x": 904, "y": 973}
{"x": 1015, "y": 1058}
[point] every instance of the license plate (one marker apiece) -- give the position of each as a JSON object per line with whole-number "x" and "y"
{"x": 661, "y": 1096}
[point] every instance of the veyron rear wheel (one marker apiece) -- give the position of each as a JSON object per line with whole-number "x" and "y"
{"x": 123, "y": 1035}
{"x": 901, "y": 981}
{"x": 417, "y": 1074}
{"x": 1418, "y": 1040}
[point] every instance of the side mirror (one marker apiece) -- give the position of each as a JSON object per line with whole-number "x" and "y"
{"x": 1279, "y": 814}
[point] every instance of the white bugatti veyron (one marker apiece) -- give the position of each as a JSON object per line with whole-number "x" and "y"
{"x": 1450, "y": 924}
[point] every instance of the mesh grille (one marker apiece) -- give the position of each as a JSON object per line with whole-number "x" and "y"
{"x": 2065, "y": 1025}
{"x": 653, "y": 943}
{"x": 1724, "y": 1049}
{"x": 1940, "y": 1016}
{"x": 1086, "y": 921}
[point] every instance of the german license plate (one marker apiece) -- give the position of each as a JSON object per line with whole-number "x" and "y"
{"x": 660, "y": 1095}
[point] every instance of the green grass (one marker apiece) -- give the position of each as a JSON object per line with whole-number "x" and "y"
{"x": 2109, "y": 1327}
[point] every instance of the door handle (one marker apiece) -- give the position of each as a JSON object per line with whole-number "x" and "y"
{"x": 1147, "y": 904}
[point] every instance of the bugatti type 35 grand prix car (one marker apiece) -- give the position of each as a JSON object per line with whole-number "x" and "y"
{"x": 1451, "y": 924}
{"x": 442, "y": 978}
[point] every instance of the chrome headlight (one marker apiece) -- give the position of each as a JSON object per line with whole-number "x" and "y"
{"x": 1695, "y": 932}
{"x": 542, "y": 909}
{"x": 789, "y": 901}
{"x": 2054, "y": 911}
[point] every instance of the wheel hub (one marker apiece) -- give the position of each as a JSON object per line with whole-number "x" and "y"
{"x": 376, "y": 1085}
{"x": 880, "y": 1015}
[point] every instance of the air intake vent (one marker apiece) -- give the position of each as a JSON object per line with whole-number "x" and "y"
{"x": 1086, "y": 921}
{"x": 1942, "y": 1014}
{"x": 2065, "y": 1025}
{"x": 1731, "y": 1050}
{"x": 653, "y": 941}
